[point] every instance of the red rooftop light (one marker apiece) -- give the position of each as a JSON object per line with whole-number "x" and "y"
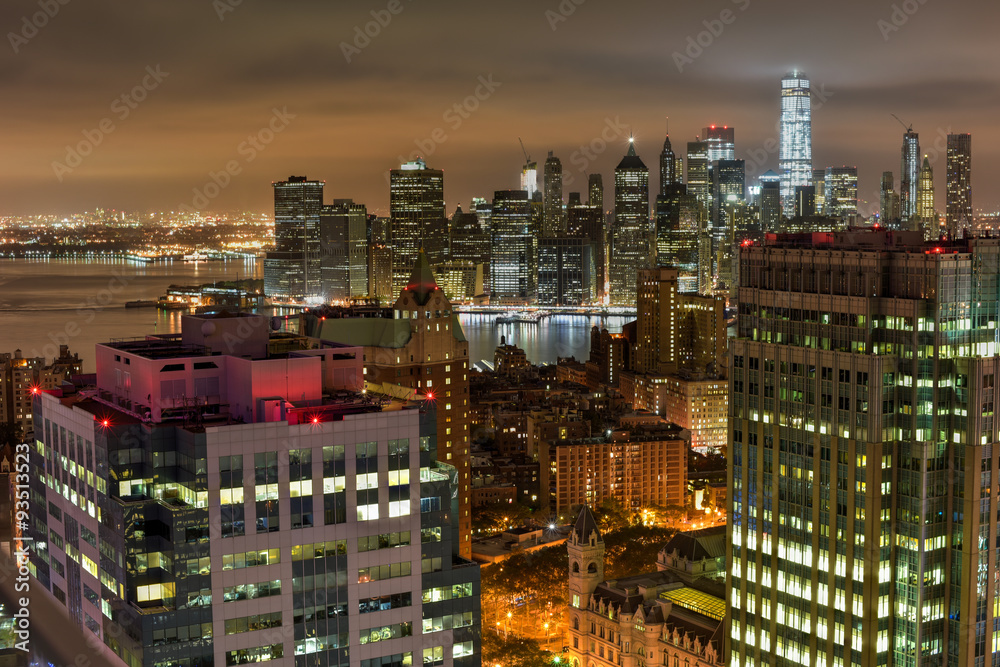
{"x": 430, "y": 396}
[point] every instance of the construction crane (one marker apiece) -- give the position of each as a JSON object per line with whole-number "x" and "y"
{"x": 527, "y": 158}
{"x": 908, "y": 129}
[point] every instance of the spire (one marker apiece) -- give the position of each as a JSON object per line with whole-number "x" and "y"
{"x": 422, "y": 282}
{"x": 586, "y": 525}
{"x": 631, "y": 146}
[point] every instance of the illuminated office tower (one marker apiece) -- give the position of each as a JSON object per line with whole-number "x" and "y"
{"x": 514, "y": 244}
{"x": 245, "y": 496}
{"x": 292, "y": 269}
{"x": 925, "y": 200}
{"x": 863, "y": 452}
{"x": 909, "y": 175}
{"x": 417, "y": 218}
{"x": 529, "y": 179}
{"x": 595, "y": 191}
{"x": 344, "y": 250}
{"x": 721, "y": 142}
{"x": 795, "y": 151}
{"x": 699, "y": 181}
{"x": 841, "y": 187}
{"x": 470, "y": 241}
{"x": 819, "y": 190}
{"x": 630, "y": 246}
{"x": 959, "y": 206}
{"x": 728, "y": 184}
{"x": 770, "y": 201}
{"x": 888, "y": 201}
{"x": 554, "y": 223}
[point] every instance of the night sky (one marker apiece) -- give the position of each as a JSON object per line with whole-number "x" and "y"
{"x": 558, "y": 79}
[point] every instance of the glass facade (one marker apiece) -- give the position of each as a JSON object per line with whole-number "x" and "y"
{"x": 417, "y": 218}
{"x": 795, "y": 152}
{"x": 959, "y": 204}
{"x": 292, "y": 269}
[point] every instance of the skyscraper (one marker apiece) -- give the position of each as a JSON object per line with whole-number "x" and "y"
{"x": 862, "y": 503}
{"x": 595, "y": 190}
{"x": 728, "y": 184}
{"x": 292, "y": 516}
{"x": 417, "y": 218}
{"x": 344, "y": 250}
{"x": 668, "y": 166}
{"x": 770, "y": 201}
{"x": 721, "y": 140}
{"x": 795, "y": 152}
{"x": 699, "y": 181}
{"x": 819, "y": 190}
{"x": 529, "y": 179}
{"x": 292, "y": 269}
{"x": 909, "y": 175}
{"x": 959, "y": 185}
{"x": 630, "y": 247}
{"x": 554, "y": 223}
{"x": 586, "y": 221}
{"x": 514, "y": 246}
{"x": 565, "y": 272}
{"x": 925, "y": 200}
{"x": 888, "y": 201}
{"x": 841, "y": 187}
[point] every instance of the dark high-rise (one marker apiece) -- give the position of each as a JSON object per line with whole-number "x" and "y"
{"x": 959, "y": 184}
{"x": 595, "y": 191}
{"x": 728, "y": 184}
{"x": 630, "y": 249}
{"x": 770, "y": 201}
{"x": 888, "y": 201}
{"x": 292, "y": 269}
{"x": 587, "y": 222}
{"x": 668, "y": 166}
{"x": 417, "y": 218}
{"x": 909, "y": 175}
{"x": 554, "y": 221}
{"x": 344, "y": 250}
{"x": 565, "y": 272}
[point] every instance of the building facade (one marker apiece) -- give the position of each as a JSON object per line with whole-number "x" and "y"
{"x": 795, "y": 150}
{"x": 959, "y": 183}
{"x": 566, "y": 275}
{"x": 343, "y": 250}
{"x": 659, "y": 618}
{"x": 231, "y": 495}
{"x": 630, "y": 245}
{"x": 863, "y": 456}
{"x": 419, "y": 345}
{"x": 515, "y": 243}
{"x": 416, "y": 218}
{"x": 909, "y": 175}
{"x": 292, "y": 270}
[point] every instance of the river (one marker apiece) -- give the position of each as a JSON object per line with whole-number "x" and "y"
{"x": 80, "y": 303}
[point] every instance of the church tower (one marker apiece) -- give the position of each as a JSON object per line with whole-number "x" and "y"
{"x": 586, "y": 559}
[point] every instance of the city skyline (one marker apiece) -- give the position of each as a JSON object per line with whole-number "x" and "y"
{"x": 340, "y": 120}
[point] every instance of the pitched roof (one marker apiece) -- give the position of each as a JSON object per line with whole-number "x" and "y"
{"x": 696, "y": 545}
{"x": 631, "y": 159}
{"x": 422, "y": 282}
{"x": 585, "y": 525}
